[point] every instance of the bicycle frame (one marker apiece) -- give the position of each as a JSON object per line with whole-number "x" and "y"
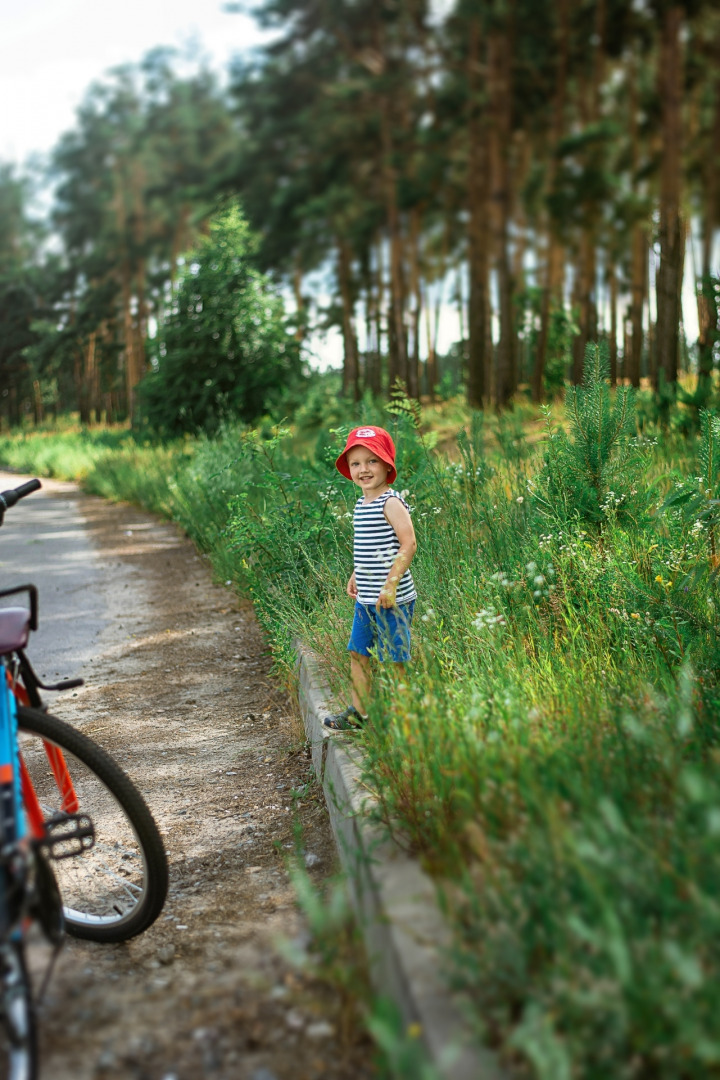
{"x": 12, "y": 817}
{"x": 31, "y": 804}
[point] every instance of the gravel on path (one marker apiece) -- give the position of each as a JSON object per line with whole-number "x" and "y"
{"x": 179, "y": 691}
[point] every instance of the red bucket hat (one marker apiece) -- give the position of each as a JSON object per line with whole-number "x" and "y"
{"x": 376, "y": 439}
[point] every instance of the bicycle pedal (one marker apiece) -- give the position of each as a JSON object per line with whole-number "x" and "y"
{"x": 68, "y": 835}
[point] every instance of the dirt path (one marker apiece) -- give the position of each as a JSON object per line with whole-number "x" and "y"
{"x": 179, "y": 692}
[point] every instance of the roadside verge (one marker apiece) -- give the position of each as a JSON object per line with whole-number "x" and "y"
{"x": 406, "y": 936}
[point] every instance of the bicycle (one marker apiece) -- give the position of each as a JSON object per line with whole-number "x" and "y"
{"x": 63, "y": 800}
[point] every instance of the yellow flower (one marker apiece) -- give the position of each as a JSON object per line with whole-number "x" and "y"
{"x": 659, "y": 578}
{"x": 634, "y": 615}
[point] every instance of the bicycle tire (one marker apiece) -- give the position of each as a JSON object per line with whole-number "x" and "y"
{"x": 116, "y": 889}
{"x": 18, "y": 1030}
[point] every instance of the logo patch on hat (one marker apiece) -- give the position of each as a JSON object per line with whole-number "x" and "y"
{"x": 365, "y": 433}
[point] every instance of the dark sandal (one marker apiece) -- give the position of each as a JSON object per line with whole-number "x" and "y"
{"x": 348, "y": 720}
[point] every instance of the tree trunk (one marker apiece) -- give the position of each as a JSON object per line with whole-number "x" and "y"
{"x": 413, "y": 382}
{"x": 379, "y": 310}
{"x": 613, "y": 282}
{"x": 432, "y": 326}
{"x": 669, "y": 277}
{"x": 351, "y": 372}
{"x": 37, "y": 402}
{"x": 587, "y": 263}
{"x": 708, "y": 303}
{"x": 586, "y": 300}
{"x": 500, "y": 103}
{"x": 638, "y": 279}
{"x": 479, "y": 335}
{"x": 553, "y": 263}
{"x": 397, "y": 346}
{"x": 91, "y": 377}
{"x": 638, "y": 246}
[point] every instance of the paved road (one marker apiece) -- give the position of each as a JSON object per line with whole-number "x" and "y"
{"x": 43, "y": 541}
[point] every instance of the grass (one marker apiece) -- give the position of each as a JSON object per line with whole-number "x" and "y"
{"x": 552, "y": 755}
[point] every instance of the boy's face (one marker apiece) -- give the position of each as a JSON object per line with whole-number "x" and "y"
{"x": 368, "y": 471}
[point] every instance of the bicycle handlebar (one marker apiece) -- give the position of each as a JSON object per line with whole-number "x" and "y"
{"x": 12, "y": 495}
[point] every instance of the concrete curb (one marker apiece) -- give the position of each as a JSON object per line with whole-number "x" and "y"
{"x": 404, "y": 930}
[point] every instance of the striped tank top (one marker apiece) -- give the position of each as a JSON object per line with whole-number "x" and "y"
{"x": 374, "y": 550}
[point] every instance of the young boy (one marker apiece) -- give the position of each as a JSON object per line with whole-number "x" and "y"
{"x": 381, "y": 584}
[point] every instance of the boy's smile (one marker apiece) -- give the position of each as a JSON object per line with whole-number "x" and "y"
{"x": 368, "y": 471}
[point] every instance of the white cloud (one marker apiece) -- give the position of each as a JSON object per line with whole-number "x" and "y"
{"x": 52, "y": 50}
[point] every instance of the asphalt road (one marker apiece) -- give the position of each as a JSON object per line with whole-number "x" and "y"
{"x": 44, "y": 541}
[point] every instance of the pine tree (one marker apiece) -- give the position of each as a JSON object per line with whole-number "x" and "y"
{"x": 590, "y": 471}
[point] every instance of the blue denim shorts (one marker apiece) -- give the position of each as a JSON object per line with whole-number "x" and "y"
{"x": 384, "y": 633}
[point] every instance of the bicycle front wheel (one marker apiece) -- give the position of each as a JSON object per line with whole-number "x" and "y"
{"x": 18, "y": 1034}
{"x": 116, "y": 889}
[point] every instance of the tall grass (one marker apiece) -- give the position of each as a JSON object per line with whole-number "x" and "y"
{"x": 551, "y": 754}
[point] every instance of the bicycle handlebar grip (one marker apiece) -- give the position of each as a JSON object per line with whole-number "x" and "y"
{"x": 10, "y": 497}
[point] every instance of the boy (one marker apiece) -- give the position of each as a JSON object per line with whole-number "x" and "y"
{"x": 381, "y": 584}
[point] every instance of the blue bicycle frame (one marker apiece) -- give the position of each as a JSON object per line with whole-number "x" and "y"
{"x": 12, "y": 816}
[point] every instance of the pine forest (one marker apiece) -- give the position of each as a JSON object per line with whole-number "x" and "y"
{"x": 544, "y": 174}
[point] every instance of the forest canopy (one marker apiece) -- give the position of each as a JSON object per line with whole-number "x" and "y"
{"x": 539, "y": 173}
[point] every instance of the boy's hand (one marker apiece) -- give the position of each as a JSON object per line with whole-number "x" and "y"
{"x": 386, "y": 599}
{"x": 352, "y": 587}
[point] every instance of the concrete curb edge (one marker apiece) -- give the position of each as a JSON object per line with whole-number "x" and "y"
{"x": 396, "y": 902}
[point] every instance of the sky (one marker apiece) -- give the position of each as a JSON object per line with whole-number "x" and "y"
{"x": 52, "y": 50}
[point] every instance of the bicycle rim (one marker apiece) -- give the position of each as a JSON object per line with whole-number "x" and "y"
{"x": 17, "y": 1032}
{"x": 117, "y": 888}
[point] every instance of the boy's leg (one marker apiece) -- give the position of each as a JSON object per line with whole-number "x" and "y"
{"x": 360, "y": 675}
{"x": 361, "y": 638}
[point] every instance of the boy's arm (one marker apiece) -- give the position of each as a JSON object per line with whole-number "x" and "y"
{"x": 351, "y": 589}
{"x": 398, "y": 516}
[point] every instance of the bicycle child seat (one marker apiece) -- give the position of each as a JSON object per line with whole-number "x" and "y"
{"x": 14, "y": 629}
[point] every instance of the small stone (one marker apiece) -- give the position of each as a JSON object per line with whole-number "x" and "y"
{"x": 312, "y": 860}
{"x": 166, "y": 954}
{"x": 278, "y": 992}
{"x": 295, "y": 1019}
{"x": 321, "y": 1029}
{"x": 262, "y": 1074}
{"x": 201, "y": 1033}
{"x": 107, "y": 1060}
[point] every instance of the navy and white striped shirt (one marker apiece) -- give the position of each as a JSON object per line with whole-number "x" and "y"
{"x": 374, "y": 550}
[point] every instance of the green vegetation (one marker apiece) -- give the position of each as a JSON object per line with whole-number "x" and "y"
{"x": 552, "y": 754}
{"x": 200, "y": 376}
